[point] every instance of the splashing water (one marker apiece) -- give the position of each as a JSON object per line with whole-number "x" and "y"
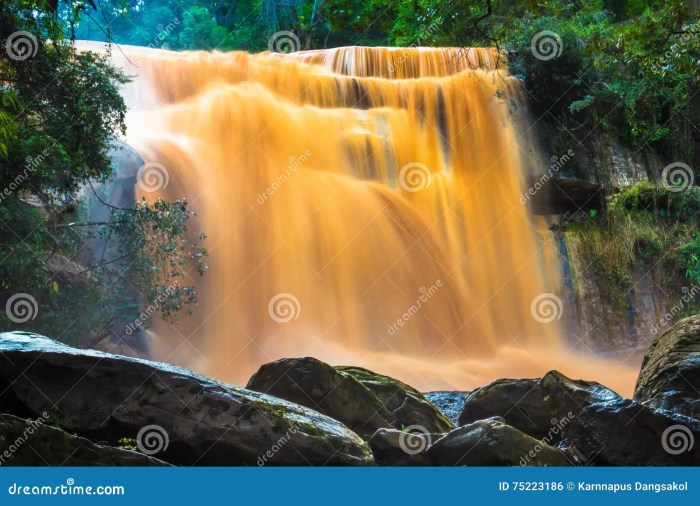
{"x": 363, "y": 206}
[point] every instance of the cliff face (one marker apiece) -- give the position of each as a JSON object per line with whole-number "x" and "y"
{"x": 593, "y": 320}
{"x": 618, "y": 285}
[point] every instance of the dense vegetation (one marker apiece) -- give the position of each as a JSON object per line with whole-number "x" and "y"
{"x": 60, "y": 113}
{"x": 622, "y": 70}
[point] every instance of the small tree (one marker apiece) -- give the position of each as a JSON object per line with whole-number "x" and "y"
{"x": 60, "y": 110}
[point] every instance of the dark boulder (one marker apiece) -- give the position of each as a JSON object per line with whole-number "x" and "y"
{"x": 31, "y": 443}
{"x": 393, "y": 447}
{"x": 189, "y": 418}
{"x": 450, "y": 404}
{"x": 622, "y": 432}
{"x": 541, "y": 407}
{"x": 492, "y": 442}
{"x": 317, "y": 385}
{"x": 408, "y": 406}
{"x": 670, "y": 374}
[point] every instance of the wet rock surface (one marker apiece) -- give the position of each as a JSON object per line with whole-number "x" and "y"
{"x": 193, "y": 420}
{"x": 103, "y": 409}
{"x": 670, "y": 375}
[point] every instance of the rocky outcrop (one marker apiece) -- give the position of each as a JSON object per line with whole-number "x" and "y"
{"x": 595, "y": 425}
{"x": 623, "y": 432}
{"x": 64, "y": 271}
{"x": 408, "y": 406}
{"x": 191, "y": 419}
{"x": 489, "y": 442}
{"x": 492, "y": 442}
{"x": 670, "y": 374}
{"x": 450, "y": 404}
{"x": 31, "y": 443}
{"x": 319, "y": 386}
{"x": 538, "y": 407}
{"x": 97, "y": 408}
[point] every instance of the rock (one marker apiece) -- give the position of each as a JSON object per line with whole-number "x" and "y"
{"x": 65, "y": 271}
{"x": 108, "y": 397}
{"x": 393, "y": 447}
{"x": 409, "y": 407}
{"x": 622, "y": 432}
{"x": 492, "y": 442}
{"x": 539, "y": 407}
{"x": 31, "y": 443}
{"x": 670, "y": 372}
{"x": 317, "y": 385}
{"x": 450, "y": 404}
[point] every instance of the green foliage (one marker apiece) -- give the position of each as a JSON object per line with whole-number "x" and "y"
{"x": 645, "y": 226}
{"x": 200, "y": 31}
{"x": 59, "y": 109}
{"x": 60, "y": 112}
{"x": 687, "y": 256}
{"x": 659, "y": 200}
{"x": 602, "y": 254}
{"x": 128, "y": 443}
{"x": 153, "y": 239}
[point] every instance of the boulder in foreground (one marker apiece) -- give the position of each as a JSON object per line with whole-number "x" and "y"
{"x": 492, "y": 442}
{"x": 31, "y": 443}
{"x": 408, "y": 406}
{"x": 540, "y": 407}
{"x": 317, "y": 385}
{"x": 191, "y": 419}
{"x": 670, "y": 374}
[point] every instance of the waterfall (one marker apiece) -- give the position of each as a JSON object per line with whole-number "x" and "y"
{"x": 362, "y": 205}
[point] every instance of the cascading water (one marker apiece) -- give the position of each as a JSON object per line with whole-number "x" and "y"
{"x": 363, "y": 206}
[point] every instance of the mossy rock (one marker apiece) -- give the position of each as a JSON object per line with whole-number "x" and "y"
{"x": 408, "y": 405}
{"x": 317, "y": 385}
